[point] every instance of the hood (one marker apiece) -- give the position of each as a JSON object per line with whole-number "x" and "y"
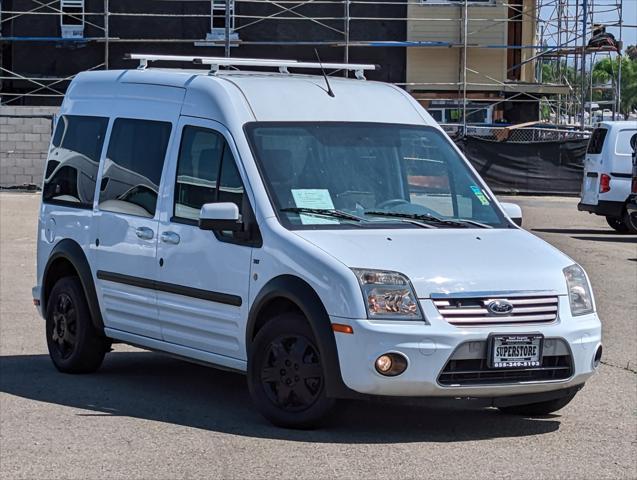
{"x": 451, "y": 260}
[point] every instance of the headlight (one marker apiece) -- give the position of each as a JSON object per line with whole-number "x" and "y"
{"x": 579, "y": 291}
{"x": 388, "y": 295}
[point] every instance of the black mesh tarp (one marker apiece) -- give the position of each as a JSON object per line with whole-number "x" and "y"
{"x": 542, "y": 167}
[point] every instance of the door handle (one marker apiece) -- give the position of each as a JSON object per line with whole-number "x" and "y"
{"x": 170, "y": 237}
{"x": 144, "y": 233}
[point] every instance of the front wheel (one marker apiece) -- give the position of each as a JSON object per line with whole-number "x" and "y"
{"x": 617, "y": 224}
{"x": 285, "y": 374}
{"x": 74, "y": 344}
{"x": 540, "y": 408}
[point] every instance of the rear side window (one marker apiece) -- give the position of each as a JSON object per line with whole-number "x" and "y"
{"x": 73, "y": 161}
{"x": 623, "y": 146}
{"x": 204, "y": 158}
{"x": 134, "y": 162}
{"x": 596, "y": 143}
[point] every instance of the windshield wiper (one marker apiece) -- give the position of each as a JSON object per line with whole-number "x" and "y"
{"x": 424, "y": 217}
{"x": 326, "y": 212}
{"x": 473, "y": 222}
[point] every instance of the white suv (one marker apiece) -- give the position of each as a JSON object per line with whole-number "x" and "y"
{"x": 327, "y": 239}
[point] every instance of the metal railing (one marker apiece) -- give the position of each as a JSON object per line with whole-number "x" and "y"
{"x": 516, "y": 135}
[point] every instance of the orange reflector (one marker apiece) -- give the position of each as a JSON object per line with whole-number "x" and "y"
{"x": 339, "y": 327}
{"x": 36, "y": 302}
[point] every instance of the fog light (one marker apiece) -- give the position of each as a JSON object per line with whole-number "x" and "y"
{"x": 597, "y": 359}
{"x": 390, "y": 364}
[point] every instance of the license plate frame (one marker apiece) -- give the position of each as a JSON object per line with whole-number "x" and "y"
{"x": 500, "y": 339}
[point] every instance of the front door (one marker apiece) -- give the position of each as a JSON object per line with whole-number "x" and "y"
{"x": 127, "y": 225}
{"x": 204, "y": 276}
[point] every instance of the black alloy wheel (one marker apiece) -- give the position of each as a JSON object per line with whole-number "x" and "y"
{"x": 291, "y": 374}
{"x": 64, "y": 334}
{"x": 286, "y": 378}
{"x": 75, "y": 346}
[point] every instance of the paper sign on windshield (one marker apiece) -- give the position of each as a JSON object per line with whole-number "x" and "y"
{"x": 313, "y": 198}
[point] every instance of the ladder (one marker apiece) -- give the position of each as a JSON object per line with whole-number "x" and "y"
{"x": 72, "y": 18}
{"x": 218, "y": 20}
{"x": 282, "y": 65}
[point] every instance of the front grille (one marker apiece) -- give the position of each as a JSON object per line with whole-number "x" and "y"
{"x": 474, "y": 311}
{"x": 557, "y": 364}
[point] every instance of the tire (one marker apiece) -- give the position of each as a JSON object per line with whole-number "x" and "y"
{"x": 617, "y": 224}
{"x": 286, "y": 378}
{"x": 630, "y": 223}
{"x": 74, "y": 344}
{"x": 540, "y": 408}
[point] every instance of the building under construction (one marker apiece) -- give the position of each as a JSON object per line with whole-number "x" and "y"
{"x": 471, "y": 62}
{"x": 468, "y": 62}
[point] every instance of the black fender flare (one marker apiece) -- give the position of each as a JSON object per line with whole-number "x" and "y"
{"x": 73, "y": 253}
{"x": 299, "y": 292}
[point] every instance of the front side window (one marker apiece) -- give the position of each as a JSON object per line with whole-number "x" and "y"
{"x": 134, "y": 162}
{"x": 73, "y": 161}
{"x": 206, "y": 173}
{"x": 335, "y": 175}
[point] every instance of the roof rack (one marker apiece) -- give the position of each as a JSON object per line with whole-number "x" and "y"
{"x": 215, "y": 62}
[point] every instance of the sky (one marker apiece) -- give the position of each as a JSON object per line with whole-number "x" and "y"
{"x": 629, "y": 9}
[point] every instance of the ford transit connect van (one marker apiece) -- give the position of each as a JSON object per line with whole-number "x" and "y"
{"x": 608, "y": 172}
{"x": 322, "y": 235}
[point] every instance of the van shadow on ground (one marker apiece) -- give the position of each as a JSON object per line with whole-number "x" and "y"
{"x": 591, "y": 234}
{"x": 160, "y": 388}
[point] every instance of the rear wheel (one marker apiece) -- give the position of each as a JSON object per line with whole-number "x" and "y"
{"x": 540, "y": 408}
{"x": 74, "y": 344}
{"x": 285, "y": 374}
{"x": 630, "y": 222}
{"x": 617, "y": 224}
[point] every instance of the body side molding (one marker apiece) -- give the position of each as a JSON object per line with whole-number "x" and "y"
{"x": 217, "y": 297}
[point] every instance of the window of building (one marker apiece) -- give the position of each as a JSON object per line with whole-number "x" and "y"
{"x": 514, "y": 39}
{"x": 134, "y": 162}
{"x": 73, "y": 161}
{"x": 204, "y": 157}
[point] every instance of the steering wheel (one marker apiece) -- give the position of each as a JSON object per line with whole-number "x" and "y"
{"x": 414, "y": 208}
{"x": 391, "y": 203}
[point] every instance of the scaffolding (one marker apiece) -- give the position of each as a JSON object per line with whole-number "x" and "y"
{"x": 561, "y": 47}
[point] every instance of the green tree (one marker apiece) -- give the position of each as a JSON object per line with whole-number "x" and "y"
{"x": 607, "y": 70}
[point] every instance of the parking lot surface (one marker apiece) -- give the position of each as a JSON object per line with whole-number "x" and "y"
{"x": 145, "y": 415}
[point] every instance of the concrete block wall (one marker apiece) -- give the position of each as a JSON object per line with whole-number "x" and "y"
{"x": 25, "y": 133}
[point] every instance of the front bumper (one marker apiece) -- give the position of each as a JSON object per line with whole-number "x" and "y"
{"x": 429, "y": 347}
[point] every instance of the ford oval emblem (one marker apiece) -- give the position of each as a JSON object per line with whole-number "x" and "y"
{"x": 499, "y": 307}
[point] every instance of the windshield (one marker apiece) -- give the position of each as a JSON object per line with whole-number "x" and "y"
{"x": 336, "y": 175}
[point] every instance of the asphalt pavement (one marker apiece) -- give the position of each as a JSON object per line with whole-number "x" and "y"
{"x": 145, "y": 415}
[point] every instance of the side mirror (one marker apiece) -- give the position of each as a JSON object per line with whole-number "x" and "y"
{"x": 514, "y": 212}
{"x": 220, "y": 216}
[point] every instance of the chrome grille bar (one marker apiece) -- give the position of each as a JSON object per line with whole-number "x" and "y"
{"x": 475, "y": 310}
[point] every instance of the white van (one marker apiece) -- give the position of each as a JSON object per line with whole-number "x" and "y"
{"x": 324, "y": 237}
{"x": 608, "y": 172}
